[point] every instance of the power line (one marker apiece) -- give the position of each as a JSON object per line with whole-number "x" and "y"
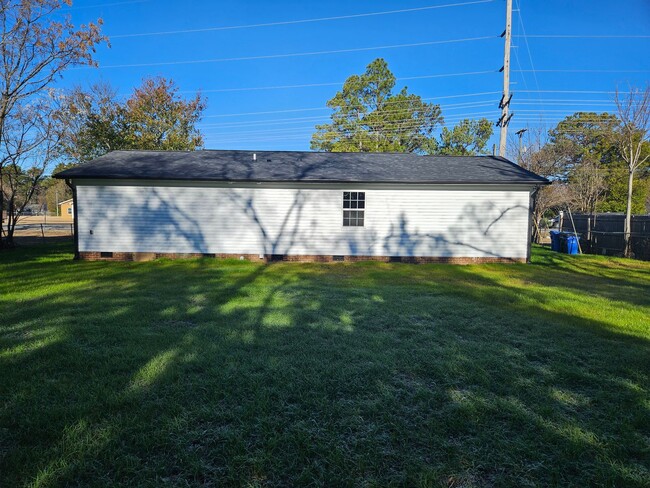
{"x": 401, "y": 126}
{"x": 291, "y": 110}
{"x": 555, "y": 113}
{"x": 292, "y": 120}
{"x": 523, "y": 110}
{"x": 404, "y": 125}
{"x": 516, "y": 52}
{"x": 526, "y": 115}
{"x": 444, "y": 97}
{"x": 283, "y": 121}
{"x": 394, "y": 121}
{"x": 530, "y": 56}
{"x": 556, "y": 120}
{"x": 268, "y": 139}
{"x": 405, "y": 78}
{"x": 290, "y": 55}
{"x": 337, "y": 83}
{"x": 307, "y": 132}
{"x": 287, "y": 121}
{"x": 585, "y": 36}
{"x": 578, "y": 105}
{"x": 487, "y": 103}
{"x": 572, "y": 91}
{"x": 568, "y": 100}
{"x": 301, "y": 21}
{"x": 559, "y": 118}
{"x": 584, "y": 71}
{"x": 395, "y": 124}
{"x": 445, "y": 107}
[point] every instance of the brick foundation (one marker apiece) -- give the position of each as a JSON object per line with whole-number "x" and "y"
{"x": 312, "y": 258}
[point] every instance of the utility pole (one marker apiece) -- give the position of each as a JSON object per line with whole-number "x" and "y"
{"x": 520, "y": 133}
{"x": 505, "y": 99}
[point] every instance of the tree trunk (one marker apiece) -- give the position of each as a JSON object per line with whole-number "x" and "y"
{"x": 2, "y": 208}
{"x": 627, "y": 249}
{"x": 537, "y": 238}
{"x": 537, "y": 233}
{"x": 8, "y": 237}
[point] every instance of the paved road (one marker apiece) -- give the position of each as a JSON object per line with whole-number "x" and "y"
{"x": 49, "y": 230}
{"x": 46, "y": 227}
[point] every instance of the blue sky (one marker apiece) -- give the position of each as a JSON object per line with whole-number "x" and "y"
{"x": 552, "y": 76}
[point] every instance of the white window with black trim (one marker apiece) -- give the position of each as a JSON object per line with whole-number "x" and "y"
{"x": 354, "y": 205}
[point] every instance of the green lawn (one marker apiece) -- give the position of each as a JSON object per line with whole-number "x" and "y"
{"x": 205, "y": 372}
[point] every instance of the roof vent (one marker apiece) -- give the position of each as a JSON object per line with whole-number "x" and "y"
{"x": 254, "y": 157}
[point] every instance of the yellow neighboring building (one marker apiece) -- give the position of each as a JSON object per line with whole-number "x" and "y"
{"x": 66, "y": 210}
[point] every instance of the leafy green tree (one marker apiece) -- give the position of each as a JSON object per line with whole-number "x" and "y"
{"x": 158, "y": 118}
{"x": 369, "y": 117}
{"x": 615, "y": 196}
{"x": 583, "y": 146}
{"x": 585, "y": 137}
{"x": 155, "y": 116}
{"x": 586, "y": 148}
{"x": 467, "y": 138}
{"x": 95, "y": 123}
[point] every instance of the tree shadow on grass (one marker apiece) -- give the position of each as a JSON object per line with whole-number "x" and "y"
{"x": 204, "y": 372}
{"x": 636, "y": 272}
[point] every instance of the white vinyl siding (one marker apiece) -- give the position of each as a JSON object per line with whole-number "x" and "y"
{"x": 168, "y": 217}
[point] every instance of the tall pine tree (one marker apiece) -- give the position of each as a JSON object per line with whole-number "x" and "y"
{"x": 369, "y": 117}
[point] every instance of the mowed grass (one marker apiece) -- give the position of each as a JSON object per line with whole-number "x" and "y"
{"x": 226, "y": 373}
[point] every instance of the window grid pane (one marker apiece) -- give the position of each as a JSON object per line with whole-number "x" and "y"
{"x": 354, "y": 200}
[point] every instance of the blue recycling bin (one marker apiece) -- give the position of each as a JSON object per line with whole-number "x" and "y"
{"x": 572, "y": 246}
{"x": 555, "y": 241}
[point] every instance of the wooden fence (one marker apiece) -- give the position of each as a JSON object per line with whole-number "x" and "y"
{"x": 603, "y": 233}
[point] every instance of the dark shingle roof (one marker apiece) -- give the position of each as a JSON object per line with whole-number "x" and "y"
{"x": 282, "y": 166}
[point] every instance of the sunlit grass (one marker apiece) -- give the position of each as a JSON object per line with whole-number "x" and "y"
{"x": 226, "y": 373}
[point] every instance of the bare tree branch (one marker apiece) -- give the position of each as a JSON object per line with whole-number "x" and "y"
{"x": 34, "y": 50}
{"x": 633, "y": 143}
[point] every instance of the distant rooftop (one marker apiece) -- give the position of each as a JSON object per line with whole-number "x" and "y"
{"x": 303, "y": 166}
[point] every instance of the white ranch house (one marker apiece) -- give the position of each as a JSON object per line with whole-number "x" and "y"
{"x": 302, "y": 206}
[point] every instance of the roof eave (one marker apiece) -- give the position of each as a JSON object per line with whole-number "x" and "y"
{"x": 251, "y": 180}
